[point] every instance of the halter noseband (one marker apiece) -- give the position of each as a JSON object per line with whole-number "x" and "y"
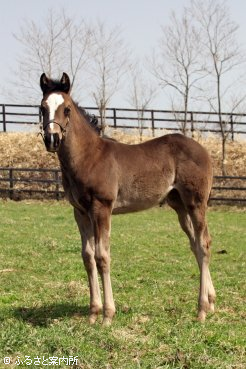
{"x": 63, "y": 129}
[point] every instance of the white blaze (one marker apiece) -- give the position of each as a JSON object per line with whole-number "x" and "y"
{"x": 53, "y": 102}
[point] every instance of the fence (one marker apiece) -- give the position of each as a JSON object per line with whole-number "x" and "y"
{"x": 19, "y": 183}
{"x": 22, "y": 117}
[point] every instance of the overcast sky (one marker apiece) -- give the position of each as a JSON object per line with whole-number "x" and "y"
{"x": 140, "y": 21}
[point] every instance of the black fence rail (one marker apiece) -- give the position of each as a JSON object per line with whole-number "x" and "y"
{"x": 15, "y": 117}
{"x": 22, "y": 183}
{"x": 229, "y": 189}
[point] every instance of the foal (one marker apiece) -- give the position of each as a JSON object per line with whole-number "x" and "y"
{"x": 103, "y": 177}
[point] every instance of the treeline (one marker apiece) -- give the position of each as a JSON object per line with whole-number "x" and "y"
{"x": 197, "y": 62}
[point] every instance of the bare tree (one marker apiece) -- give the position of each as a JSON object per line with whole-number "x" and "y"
{"x": 222, "y": 54}
{"x": 78, "y": 42}
{"x": 109, "y": 64}
{"x": 142, "y": 93}
{"x": 178, "y": 64}
{"x": 59, "y": 44}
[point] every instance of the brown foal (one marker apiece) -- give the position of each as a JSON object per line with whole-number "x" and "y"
{"x": 103, "y": 177}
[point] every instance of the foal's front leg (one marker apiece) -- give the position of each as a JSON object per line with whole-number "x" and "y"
{"x": 88, "y": 255}
{"x": 102, "y": 229}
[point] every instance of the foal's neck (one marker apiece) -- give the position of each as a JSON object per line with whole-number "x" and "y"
{"x": 80, "y": 141}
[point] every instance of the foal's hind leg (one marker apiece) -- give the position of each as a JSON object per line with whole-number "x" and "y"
{"x": 175, "y": 201}
{"x": 88, "y": 255}
{"x": 211, "y": 290}
{"x": 202, "y": 251}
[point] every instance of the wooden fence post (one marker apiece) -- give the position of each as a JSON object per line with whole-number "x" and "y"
{"x": 153, "y": 123}
{"x": 232, "y": 127}
{"x": 192, "y": 124}
{"x": 57, "y": 185}
{"x": 4, "y": 118}
{"x": 114, "y": 118}
{"x": 11, "y": 183}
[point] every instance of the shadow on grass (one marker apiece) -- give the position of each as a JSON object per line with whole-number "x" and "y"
{"x": 44, "y": 316}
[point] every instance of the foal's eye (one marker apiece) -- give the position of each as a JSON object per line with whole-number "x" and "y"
{"x": 67, "y": 111}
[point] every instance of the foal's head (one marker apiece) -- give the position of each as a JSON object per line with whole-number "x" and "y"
{"x": 55, "y": 108}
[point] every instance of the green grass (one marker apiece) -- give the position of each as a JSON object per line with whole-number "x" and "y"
{"x": 44, "y": 294}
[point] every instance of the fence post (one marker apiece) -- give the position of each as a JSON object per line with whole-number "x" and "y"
{"x": 114, "y": 118}
{"x": 57, "y": 185}
{"x": 153, "y": 123}
{"x": 192, "y": 124}
{"x": 4, "y": 117}
{"x": 232, "y": 127}
{"x": 11, "y": 183}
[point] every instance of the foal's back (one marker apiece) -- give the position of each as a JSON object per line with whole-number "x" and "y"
{"x": 171, "y": 146}
{"x": 169, "y": 152}
{"x": 147, "y": 172}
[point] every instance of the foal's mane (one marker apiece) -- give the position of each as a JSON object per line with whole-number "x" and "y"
{"x": 91, "y": 119}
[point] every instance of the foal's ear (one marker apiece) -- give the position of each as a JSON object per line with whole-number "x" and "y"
{"x": 65, "y": 83}
{"x": 44, "y": 83}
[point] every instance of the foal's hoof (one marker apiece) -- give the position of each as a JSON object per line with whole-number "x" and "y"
{"x": 201, "y": 316}
{"x": 107, "y": 322}
{"x": 93, "y": 318}
{"x": 211, "y": 307}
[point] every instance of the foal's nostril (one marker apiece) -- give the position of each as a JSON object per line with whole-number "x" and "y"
{"x": 52, "y": 141}
{"x": 56, "y": 140}
{"x": 47, "y": 140}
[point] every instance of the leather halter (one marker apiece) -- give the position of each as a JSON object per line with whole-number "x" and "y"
{"x": 63, "y": 129}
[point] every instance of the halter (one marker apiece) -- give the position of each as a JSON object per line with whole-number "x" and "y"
{"x": 63, "y": 129}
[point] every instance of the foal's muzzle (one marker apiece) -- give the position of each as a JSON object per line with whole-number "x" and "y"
{"x": 52, "y": 141}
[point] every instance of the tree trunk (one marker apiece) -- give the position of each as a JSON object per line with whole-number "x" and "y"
{"x": 186, "y": 98}
{"x": 222, "y": 127}
{"x": 223, "y": 159}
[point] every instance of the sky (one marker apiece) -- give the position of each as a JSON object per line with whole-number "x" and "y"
{"x": 140, "y": 21}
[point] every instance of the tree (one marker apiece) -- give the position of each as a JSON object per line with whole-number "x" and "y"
{"x": 109, "y": 62}
{"x": 222, "y": 54}
{"x": 59, "y": 44}
{"x": 141, "y": 95}
{"x": 178, "y": 64}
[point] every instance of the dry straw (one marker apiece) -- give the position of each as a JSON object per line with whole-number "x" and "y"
{"x": 24, "y": 150}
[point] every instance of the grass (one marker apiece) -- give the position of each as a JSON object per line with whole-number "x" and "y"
{"x": 44, "y": 294}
